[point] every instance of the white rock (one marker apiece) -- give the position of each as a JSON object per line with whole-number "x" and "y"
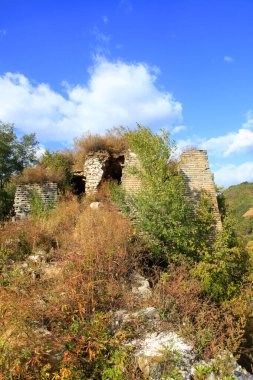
{"x": 149, "y": 314}
{"x": 140, "y": 286}
{"x": 39, "y": 256}
{"x": 152, "y": 352}
{"x": 95, "y": 205}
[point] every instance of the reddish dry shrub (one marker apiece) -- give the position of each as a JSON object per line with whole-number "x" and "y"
{"x": 210, "y": 327}
{"x": 40, "y": 318}
{"x": 40, "y": 174}
{"x": 112, "y": 142}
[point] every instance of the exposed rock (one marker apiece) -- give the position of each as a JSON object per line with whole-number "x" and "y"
{"x": 95, "y": 205}
{"x": 140, "y": 286}
{"x": 50, "y": 271}
{"x": 159, "y": 353}
{"x": 148, "y": 314}
{"x": 234, "y": 369}
{"x": 38, "y": 257}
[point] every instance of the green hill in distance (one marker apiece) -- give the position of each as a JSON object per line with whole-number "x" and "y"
{"x": 239, "y": 199}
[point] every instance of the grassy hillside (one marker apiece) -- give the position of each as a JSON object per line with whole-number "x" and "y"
{"x": 240, "y": 199}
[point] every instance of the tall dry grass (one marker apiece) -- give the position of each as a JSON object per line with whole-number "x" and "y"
{"x": 39, "y": 174}
{"x": 42, "y": 319}
{"x": 112, "y": 142}
{"x": 211, "y": 328}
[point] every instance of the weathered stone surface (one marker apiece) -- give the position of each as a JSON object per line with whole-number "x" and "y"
{"x": 95, "y": 205}
{"x": 197, "y": 177}
{"x": 48, "y": 192}
{"x": 93, "y": 170}
{"x": 149, "y": 314}
{"x": 140, "y": 286}
{"x": 130, "y": 182}
{"x": 153, "y": 350}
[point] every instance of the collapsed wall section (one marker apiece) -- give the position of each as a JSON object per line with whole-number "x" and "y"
{"x": 48, "y": 192}
{"x": 130, "y": 182}
{"x": 195, "y": 169}
{"x": 93, "y": 170}
{"x": 102, "y": 166}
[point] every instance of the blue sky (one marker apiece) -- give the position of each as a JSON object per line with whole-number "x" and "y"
{"x": 67, "y": 67}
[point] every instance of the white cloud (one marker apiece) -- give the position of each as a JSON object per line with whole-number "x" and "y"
{"x": 179, "y": 128}
{"x": 233, "y": 174}
{"x": 116, "y": 93}
{"x": 40, "y": 151}
{"x": 228, "y": 59}
{"x": 102, "y": 40}
{"x": 235, "y": 142}
{"x": 126, "y": 5}
{"x": 3, "y": 32}
{"x": 105, "y": 19}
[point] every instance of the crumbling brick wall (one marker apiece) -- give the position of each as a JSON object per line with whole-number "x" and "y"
{"x": 48, "y": 192}
{"x": 93, "y": 170}
{"x": 130, "y": 182}
{"x": 197, "y": 177}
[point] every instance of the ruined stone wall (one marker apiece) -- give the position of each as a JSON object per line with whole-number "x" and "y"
{"x": 129, "y": 181}
{"x": 93, "y": 170}
{"x": 197, "y": 177}
{"x": 48, "y": 191}
{"x": 97, "y": 163}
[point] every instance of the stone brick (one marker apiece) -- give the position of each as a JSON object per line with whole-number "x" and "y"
{"x": 48, "y": 191}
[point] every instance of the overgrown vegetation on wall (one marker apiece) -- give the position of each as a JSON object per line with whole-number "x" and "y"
{"x": 53, "y": 167}
{"x": 113, "y": 142}
{"x": 15, "y": 155}
{"x": 64, "y": 272}
{"x": 174, "y": 229}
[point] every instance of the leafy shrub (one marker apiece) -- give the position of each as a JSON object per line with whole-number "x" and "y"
{"x": 54, "y": 167}
{"x": 6, "y": 200}
{"x": 38, "y": 208}
{"x": 162, "y": 210}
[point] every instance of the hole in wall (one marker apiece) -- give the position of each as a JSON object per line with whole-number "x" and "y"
{"x": 78, "y": 184}
{"x": 113, "y": 169}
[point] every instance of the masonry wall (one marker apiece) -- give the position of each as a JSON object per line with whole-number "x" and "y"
{"x": 129, "y": 181}
{"x": 48, "y": 191}
{"x": 197, "y": 177}
{"x": 93, "y": 170}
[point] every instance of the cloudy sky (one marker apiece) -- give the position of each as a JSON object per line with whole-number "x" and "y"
{"x": 72, "y": 66}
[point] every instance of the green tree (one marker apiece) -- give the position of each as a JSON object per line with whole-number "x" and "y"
{"x": 61, "y": 163}
{"x": 15, "y": 155}
{"x": 169, "y": 221}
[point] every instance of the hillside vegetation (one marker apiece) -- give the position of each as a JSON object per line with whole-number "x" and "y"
{"x": 66, "y": 271}
{"x": 240, "y": 199}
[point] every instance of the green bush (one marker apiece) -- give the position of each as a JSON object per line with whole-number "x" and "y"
{"x": 163, "y": 213}
{"x": 172, "y": 228}
{"x": 38, "y": 208}
{"x": 6, "y": 200}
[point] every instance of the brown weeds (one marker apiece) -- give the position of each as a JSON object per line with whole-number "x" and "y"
{"x": 211, "y": 328}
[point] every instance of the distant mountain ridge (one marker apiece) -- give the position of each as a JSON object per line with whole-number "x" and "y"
{"x": 239, "y": 199}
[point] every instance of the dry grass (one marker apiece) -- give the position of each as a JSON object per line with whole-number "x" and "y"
{"x": 41, "y": 318}
{"x": 112, "y": 142}
{"x": 57, "y": 326}
{"x": 211, "y": 328}
{"x": 40, "y": 174}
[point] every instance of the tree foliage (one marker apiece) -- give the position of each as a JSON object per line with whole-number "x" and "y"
{"x": 15, "y": 153}
{"x": 176, "y": 229}
{"x": 163, "y": 212}
{"x": 61, "y": 163}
